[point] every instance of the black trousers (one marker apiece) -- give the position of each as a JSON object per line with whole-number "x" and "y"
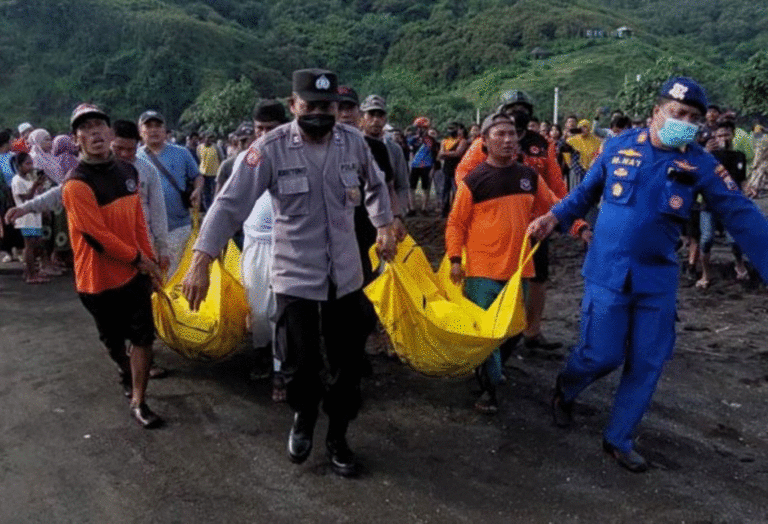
{"x": 301, "y": 324}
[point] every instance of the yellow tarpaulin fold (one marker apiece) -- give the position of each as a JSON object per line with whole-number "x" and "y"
{"x": 435, "y": 329}
{"x": 218, "y": 327}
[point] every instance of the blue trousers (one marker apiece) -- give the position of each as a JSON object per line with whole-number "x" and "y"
{"x": 633, "y": 329}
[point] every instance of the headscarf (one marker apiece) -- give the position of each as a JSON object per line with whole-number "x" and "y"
{"x": 65, "y": 150}
{"x": 42, "y": 160}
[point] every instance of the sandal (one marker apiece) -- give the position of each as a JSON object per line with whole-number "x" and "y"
{"x": 702, "y": 284}
{"x": 486, "y": 404}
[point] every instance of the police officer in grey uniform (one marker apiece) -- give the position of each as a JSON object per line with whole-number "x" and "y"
{"x": 313, "y": 169}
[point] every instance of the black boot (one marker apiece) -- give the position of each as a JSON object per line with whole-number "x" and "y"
{"x": 342, "y": 459}
{"x": 300, "y": 437}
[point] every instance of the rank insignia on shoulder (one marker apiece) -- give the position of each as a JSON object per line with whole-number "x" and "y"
{"x": 617, "y": 189}
{"x": 683, "y": 164}
{"x": 676, "y": 202}
{"x": 630, "y": 152}
{"x": 621, "y": 172}
{"x": 730, "y": 183}
{"x": 253, "y": 158}
{"x": 642, "y": 138}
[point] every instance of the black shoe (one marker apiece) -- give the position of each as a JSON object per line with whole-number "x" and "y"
{"x": 538, "y": 341}
{"x": 300, "y": 437}
{"x": 631, "y": 460}
{"x": 342, "y": 459}
{"x": 145, "y": 416}
{"x": 562, "y": 411}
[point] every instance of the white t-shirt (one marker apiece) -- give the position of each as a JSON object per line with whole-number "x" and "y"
{"x": 21, "y": 186}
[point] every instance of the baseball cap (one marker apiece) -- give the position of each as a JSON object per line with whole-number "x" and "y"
{"x": 151, "y": 114}
{"x": 421, "y": 121}
{"x": 584, "y": 123}
{"x": 84, "y": 111}
{"x": 245, "y": 130}
{"x": 686, "y": 91}
{"x": 349, "y": 95}
{"x": 373, "y": 103}
{"x": 25, "y": 126}
{"x": 270, "y": 111}
{"x": 316, "y": 85}
{"x": 495, "y": 119}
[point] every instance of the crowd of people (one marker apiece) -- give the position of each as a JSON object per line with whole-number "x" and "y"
{"x": 305, "y": 198}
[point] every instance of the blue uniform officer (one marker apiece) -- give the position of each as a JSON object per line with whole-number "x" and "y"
{"x": 647, "y": 179}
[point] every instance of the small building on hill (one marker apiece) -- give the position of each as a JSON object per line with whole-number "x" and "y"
{"x": 539, "y": 53}
{"x": 623, "y": 32}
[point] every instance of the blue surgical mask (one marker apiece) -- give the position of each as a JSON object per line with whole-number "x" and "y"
{"x": 677, "y": 133}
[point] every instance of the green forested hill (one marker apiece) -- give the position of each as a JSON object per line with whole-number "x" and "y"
{"x": 443, "y": 57}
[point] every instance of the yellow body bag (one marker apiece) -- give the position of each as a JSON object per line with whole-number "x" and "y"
{"x": 218, "y": 327}
{"x": 433, "y": 327}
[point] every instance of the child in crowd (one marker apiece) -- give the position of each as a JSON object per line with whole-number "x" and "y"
{"x": 24, "y": 185}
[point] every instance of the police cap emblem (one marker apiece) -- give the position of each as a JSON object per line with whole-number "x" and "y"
{"x": 678, "y": 91}
{"x": 525, "y": 184}
{"x": 130, "y": 185}
{"x": 322, "y": 83}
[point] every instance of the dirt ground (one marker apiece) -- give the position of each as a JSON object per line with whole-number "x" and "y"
{"x": 69, "y": 452}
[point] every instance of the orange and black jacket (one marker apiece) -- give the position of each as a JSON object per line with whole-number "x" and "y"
{"x": 106, "y": 224}
{"x": 490, "y": 215}
{"x": 535, "y": 152}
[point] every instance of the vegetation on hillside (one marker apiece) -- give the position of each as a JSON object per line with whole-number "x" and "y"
{"x": 445, "y": 58}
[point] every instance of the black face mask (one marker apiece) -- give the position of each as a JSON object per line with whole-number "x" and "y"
{"x": 522, "y": 118}
{"x": 453, "y": 133}
{"x": 316, "y": 126}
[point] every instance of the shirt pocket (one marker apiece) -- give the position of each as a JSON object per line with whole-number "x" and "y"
{"x": 678, "y": 196}
{"x": 293, "y": 195}
{"x": 621, "y": 184}
{"x": 619, "y": 191}
{"x": 350, "y": 181}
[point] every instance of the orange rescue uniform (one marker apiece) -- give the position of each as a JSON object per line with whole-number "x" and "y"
{"x": 106, "y": 224}
{"x": 490, "y": 216}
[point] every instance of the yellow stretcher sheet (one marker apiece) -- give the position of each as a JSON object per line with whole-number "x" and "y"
{"x": 435, "y": 329}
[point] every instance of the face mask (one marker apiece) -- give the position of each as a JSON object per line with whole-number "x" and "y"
{"x": 522, "y": 118}
{"x": 677, "y": 133}
{"x": 453, "y": 133}
{"x": 316, "y": 125}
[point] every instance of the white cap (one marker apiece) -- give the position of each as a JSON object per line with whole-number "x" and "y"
{"x": 26, "y": 126}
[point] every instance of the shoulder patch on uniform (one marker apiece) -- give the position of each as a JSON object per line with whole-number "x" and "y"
{"x": 729, "y": 182}
{"x": 642, "y": 138}
{"x": 685, "y": 165}
{"x": 253, "y": 158}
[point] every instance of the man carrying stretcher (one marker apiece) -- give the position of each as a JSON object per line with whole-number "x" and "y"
{"x": 493, "y": 207}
